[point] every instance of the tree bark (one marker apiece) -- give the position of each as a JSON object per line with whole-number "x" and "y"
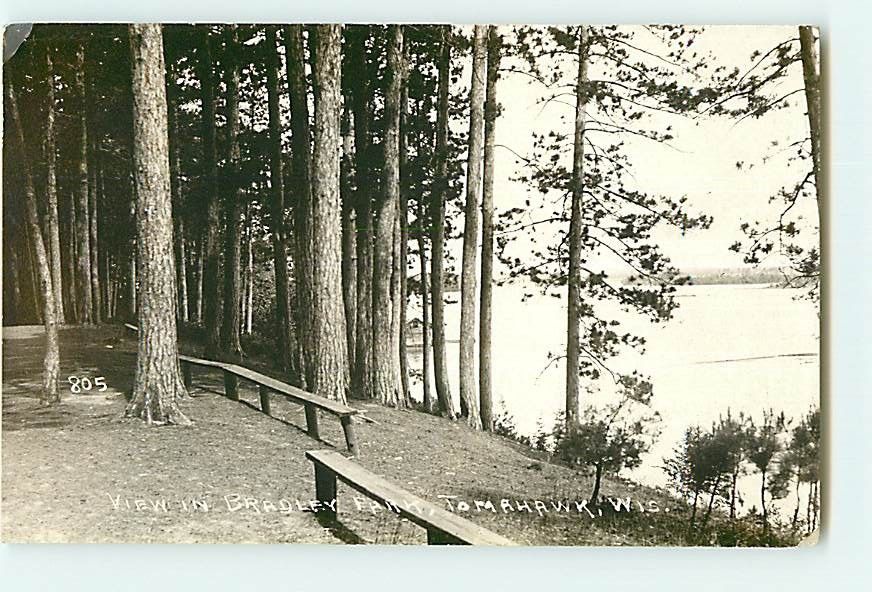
{"x": 93, "y": 199}
{"x": 50, "y": 393}
{"x": 396, "y": 308}
{"x": 437, "y": 231}
{"x": 711, "y": 504}
{"x": 83, "y": 231}
{"x": 69, "y": 261}
{"x": 158, "y": 380}
{"x": 468, "y": 283}
{"x": 573, "y": 309}
{"x": 485, "y": 371}
{"x": 303, "y": 212}
{"x": 330, "y": 355}
{"x": 249, "y": 271}
{"x": 403, "y": 255}
{"x": 811, "y": 76}
{"x": 211, "y": 255}
{"x": 54, "y": 239}
{"x": 198, "y": 292}
{"x": 733, "y": 492}
{"x": 763, "y": 501}
{"x": 425, "y": 311}
{"x": 178, "y": 217}
{"x": 385, "y": 387}
{"x": 280, "y": 256}
{"x": 232, "y": 276}
{"x": 349, "y": 237}
{"x": 362, "y": 377}
{"x": 597, "y": 482}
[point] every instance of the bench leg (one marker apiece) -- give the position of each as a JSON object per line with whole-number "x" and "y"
{"x": 264, "y": 400}
{"x": 186, "y": 375}
{"x": 231, "y": 386}
{"x": 325, "y": 491}
{"x": 350, "y": 440}
{"x": 312, "y": 422}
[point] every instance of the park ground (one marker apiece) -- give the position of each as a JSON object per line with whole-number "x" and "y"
{"x": 81, "y": 472}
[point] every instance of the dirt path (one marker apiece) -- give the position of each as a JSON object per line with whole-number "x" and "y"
{"x": 80, "y": 472}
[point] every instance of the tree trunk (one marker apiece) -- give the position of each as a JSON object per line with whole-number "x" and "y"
{"x": 396, "y": 309}
{"x": 280, "y": 256}
{"x": 573, "y": 312}
{"x": 763, "y": 501}
{"x": 12, "y": 306}
{"x": 54, "y": 239}
{"x": 131, "y": 288}
{"x": 597, "y": 483}
{"x": 83, "y": 231}
{"x": 158, "y": 380}
{"x": 69, "y": 258}
{"x": 468, "y": 283}
{"x": 485, "y": 372}
{"x": 362, "y": 377}
{"x": 733, "y": 492}
{"x": 384, "y": 377}
{"x": 51, "y": 362}
{"x": 349, "y": 236}
{"x": 198, "y": 292}
{"x": 693, "y": 511}
{"x": 303, "y": 212}
{"x": 105, "y": 269}
{"x": 402, "y": 265}
{"x": 93, "y": 198}
{"x": 711, "y": 504}
{"x": 232, "y": 282}
{"x": 796, "y": 510}
{"x": 437, "y": 231}
{"x": 176, "y": 180}
{"x": 249, "y": 271}
{"x": 425, "y": 308}
{"x": 330, "y": 358}
{"x": 811, "y": 76}
{"x": 211, "y": 255}
{"x": 94, "y": 215}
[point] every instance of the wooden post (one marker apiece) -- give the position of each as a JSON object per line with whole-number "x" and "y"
{"x": 348, "y": 428}
{"x": 231, "y": 386}
{"x": 186, "y": 374}
{"x": 312, "y": 421}
{"x": 325, "y": 491}
{"x": 264, "y": 400}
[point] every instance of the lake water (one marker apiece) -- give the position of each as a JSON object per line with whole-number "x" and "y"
{"x": 742, "y": 347}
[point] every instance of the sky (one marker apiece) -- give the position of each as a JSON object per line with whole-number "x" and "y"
{"x": 702, "y": 164}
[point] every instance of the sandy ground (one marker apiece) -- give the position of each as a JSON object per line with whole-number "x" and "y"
{"x": 80, "y": 472}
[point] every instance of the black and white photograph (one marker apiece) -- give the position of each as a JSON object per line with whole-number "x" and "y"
{"x": 413, "y": 284}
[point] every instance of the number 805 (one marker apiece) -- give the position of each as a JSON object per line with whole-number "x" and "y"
{"x": 78, "y": 385}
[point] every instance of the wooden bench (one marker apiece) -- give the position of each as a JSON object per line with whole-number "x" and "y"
{"x": 266, "y": 385}
{"x": 443, "y": 527}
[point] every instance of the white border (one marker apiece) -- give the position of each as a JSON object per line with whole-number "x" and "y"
{"x": 840, "y": 561}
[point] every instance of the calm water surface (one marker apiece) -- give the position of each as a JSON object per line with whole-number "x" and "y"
{"x": 742, "y": 347}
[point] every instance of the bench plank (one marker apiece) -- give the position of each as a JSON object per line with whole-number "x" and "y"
{"x": 442, "y": 526}
{"x": 292, "y": 392}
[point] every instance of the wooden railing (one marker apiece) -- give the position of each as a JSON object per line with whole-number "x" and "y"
{"x": 268, "y": 386}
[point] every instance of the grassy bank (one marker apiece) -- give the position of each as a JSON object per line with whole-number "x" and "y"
{"x": 78, "y": 472}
